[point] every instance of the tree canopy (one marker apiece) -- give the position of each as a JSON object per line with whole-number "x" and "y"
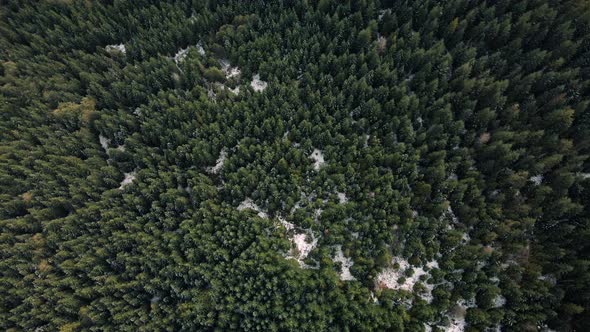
{"x": 295, "y": 165}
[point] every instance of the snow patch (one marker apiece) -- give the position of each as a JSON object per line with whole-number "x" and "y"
{"x": 288, "y": 226}
{"x": 499, "y": 301}
{"x": 300, "y": 241}
{"x": 457, "y": 324}
{"x": 366, "y": 143}
{"x": 180, "y": 55}
{"x": 537, "y": 179}
{"x": 219, "y": 163}
{"x": 345, "y": 262}
{"x": 318, "y": 158}
{"x": 235, "y": 91}
{"x": 468, "y": 303}
{"x": 116, "y": 48}
{"x": 129, "y": 177}
{"x": 432, "y": 264}
{"x": 452, "y": 214}
{"x": 211, "y": 94}
{"x": 257, "y": 84}
{"x": 104, "y": 142}
{"x": 228, "y": 69}
{"x": 465, "y": 238}
{"x": 389, "y": 278}
{"x": 304, "y": 247}
{"x": 317, "y": 214}
{"x": 248, "y": 203}
{"x": 457, "y": 317}
{"x": 374, "y": 298}
{"x": 200, "y": 49}
{"x": 342, "y": 197}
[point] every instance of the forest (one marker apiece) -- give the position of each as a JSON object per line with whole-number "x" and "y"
{"x": 295, "y": 165}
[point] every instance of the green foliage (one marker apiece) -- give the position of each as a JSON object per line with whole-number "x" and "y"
{"x": 214, "y": 74}
{"x": 454, "y": 138}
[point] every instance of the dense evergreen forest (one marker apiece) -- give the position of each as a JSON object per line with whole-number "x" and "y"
{"x": 295, "y": 165}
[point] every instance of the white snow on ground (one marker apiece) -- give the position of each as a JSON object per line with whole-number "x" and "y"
{"x": 104, "y": 142}
{"x": 342, "y": 197}
{"x": 468, "y": 303}
{"x": 537, "y": 179}
{"x": 200, "y": 49}
{"x": 295, "y": 207}
{"x": 432, "y": 265}
{"x": 180, "y": 55}
{"x": 318, "y": 158}
{"x": 374, "y": 298}
{"x": 317, "y": 214}
{"x": 120, "y": 47}
{"x": 235, "y": 91}
{"x": 346, "y": 263}
{"x": 457, "y": 324}
{"x": 228, "y": 69}
{"x": 219, "y": 163}
{"x": 367, "y": 138}
{"x": 129, "y": 177}
{"x": 499, "y": 301}
{"x": 585, "y": 175}
{"x": 452, "y": 214}
{"x": 427, "y": 296}
{"x": 457, "y": 317}
{"x": 233, "y": 71}
{"x": 211, "y": 93}
{"x": 288, "y": 226}
{"x": 257, "y": 84}
{"x": 248, "y": 203}
{"x": 465, "y": 238}
{"x": 389, "y": 277}
{"x": 304, "y": 247}
{"x": 427, "y": 328}
{"x": 299, "y": 240}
